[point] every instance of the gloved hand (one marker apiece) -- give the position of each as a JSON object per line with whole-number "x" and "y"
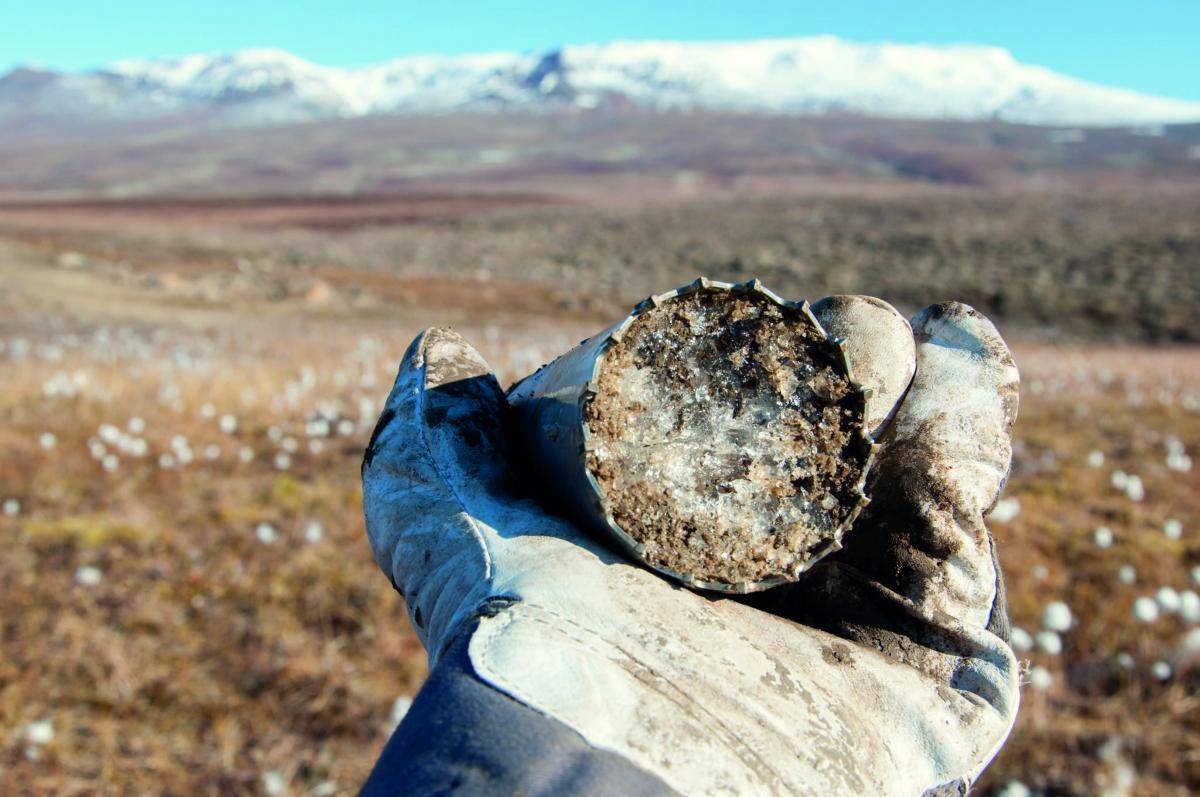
{"x": 557, "y": 667}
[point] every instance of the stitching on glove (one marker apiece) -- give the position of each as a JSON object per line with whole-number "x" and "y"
{"x": 437, "y": 467}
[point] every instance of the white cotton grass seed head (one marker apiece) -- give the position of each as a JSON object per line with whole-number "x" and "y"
{"x": 1049, "y": 643}
{"x": 345, "y": 427}
{"x": 1127, "y": 574}
{"x": 11, "y": 507}
{"x": 1119, "y": 479}
{"x": 1125, "y": 660}
{"x": 88, "y": 576}
{"x": 1095, "y": 458}
{"x": 1020, "y": 640}
{"x": 166, "y": 461}
{"x": 273, "y": 783}
{"x": 1039, "y": 572}
{"x": 289, "y": 444}
{"x": 314, "y": 532}
{"x": 1135, "y": 490}
{"x": 1172, "y": 529}
{"x": 1191, "y": 642}
{"x": 1189, "y": 607}
{"x": 1057, "y": 617}
{"x": 40, "y": 732}
{"x": 1041, "y": 680}
{"x": 227, "y": 424}
{"x": 47, "y": 440}
{"x": 326, "y": 788}
{"x": 108, "y": 433}
{"x": 282, "y": 461}
{"x": 1015, "y": 787}
{"x": 1160, "y": 670}
{"x": 1168, "y": 600}
{"x": 1006, "y": 509}
{"x": 1145, "y": 609}
{"x": 246, "y": 454}
{"x": 207, "y": 410}
{"x": 1181, "y": 463}
{"x": 266, "y": 533}
{"x": 1103, "y": 537}
{"x": 110, "y": 463}
{"x": 1177, "y": 458}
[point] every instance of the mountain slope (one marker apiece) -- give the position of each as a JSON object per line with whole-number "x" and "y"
{"x": 791, "y": 76}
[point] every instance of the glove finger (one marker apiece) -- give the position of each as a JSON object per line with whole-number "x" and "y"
{"x": 942, "y": 468}
{"x": 952, "y": 439}
{"x": 446, "y": 407}
{"x": 440, "y": 493}
{"x": 436, "y": 454}
{"x": 879, "y": 347}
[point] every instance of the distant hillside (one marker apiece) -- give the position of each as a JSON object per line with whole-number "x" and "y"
{"x": 780, "y": 76}
{"x": 620, "y": 158}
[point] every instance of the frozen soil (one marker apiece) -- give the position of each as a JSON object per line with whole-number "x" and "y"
{"x": 727, "y": 437}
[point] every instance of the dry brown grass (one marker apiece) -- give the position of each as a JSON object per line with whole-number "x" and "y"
{"x": 206, "y": 659}
{"x": 1099, "y": 716}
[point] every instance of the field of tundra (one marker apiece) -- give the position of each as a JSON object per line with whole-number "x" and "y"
{"x": 187, "y": 601}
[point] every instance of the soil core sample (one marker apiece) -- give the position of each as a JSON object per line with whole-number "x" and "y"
{"x": 720, "y": 436}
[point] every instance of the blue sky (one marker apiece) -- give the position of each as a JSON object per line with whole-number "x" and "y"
{"x": 1151, "y": 45}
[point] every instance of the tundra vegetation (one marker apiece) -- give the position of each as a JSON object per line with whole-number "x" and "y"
{"x": 187, "y": 601}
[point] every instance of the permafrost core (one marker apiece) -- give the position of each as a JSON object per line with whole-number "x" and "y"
{"x": 726, "y": 437}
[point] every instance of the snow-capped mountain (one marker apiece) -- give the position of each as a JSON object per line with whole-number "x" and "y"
{"x": 809, "y": 75}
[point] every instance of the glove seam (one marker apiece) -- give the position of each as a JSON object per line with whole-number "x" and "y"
{"x": 449, "y": 485}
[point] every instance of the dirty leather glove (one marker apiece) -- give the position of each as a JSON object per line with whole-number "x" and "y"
{"x": 557, "y": 667}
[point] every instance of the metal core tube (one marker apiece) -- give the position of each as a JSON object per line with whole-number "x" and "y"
{"x": 715, "y": 434}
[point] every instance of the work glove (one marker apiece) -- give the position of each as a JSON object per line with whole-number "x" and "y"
{"x": 558, "y": 667}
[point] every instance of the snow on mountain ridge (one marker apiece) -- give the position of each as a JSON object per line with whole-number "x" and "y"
{"x": 826, "y": 73}
{"x": 342, "y": 91}
{"x": 807, "y": 75}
